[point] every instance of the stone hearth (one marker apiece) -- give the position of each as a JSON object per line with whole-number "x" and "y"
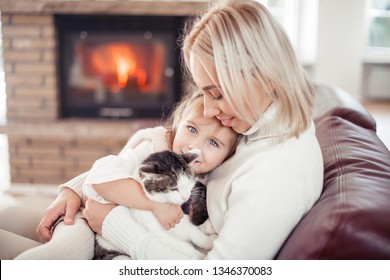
{"x": 43, "y": 147}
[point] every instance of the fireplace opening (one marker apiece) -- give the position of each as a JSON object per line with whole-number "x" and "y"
{"x": 118, "y": 66}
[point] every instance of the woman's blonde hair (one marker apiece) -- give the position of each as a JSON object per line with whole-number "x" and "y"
{"x": 192, "y": 104}
{"x": 250, "y": 49}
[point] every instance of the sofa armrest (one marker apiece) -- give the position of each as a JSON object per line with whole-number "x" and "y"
{"x": 351, "y": 219}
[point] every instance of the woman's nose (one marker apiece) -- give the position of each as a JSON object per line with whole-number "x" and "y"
{"x": 210, "y": 110}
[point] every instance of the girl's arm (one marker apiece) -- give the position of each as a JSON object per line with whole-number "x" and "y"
{"x": 125, "y": 192}
{"x": 128, "y": 192}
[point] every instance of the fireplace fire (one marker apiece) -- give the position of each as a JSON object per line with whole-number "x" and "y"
{"x": 118, "y": 66}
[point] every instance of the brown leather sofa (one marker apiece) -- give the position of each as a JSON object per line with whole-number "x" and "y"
{"x": 351, "y": 219}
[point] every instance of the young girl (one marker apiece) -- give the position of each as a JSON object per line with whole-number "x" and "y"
{"x": 107, "y": 181}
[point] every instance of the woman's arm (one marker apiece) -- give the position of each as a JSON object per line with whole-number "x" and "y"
{"x": 67, "y": 203}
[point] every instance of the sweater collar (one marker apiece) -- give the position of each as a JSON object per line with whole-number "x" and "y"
{"x": 268, "y": 126}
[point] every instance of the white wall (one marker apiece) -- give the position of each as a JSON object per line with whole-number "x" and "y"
{"x": 340, "y": 44}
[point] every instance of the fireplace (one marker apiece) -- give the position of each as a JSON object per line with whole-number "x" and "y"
{"x": 46, "y": 144}
{"x": 118, "y": 66}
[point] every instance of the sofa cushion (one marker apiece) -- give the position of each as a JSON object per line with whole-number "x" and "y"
{"x": 351, "y": 219}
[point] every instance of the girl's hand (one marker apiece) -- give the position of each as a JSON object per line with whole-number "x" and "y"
{"x": 67, "y": 203}
{"x": 167, "y": 214}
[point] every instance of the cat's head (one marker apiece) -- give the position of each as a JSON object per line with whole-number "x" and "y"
{"x": 167, "y": 176}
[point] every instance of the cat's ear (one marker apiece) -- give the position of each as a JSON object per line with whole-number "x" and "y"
{"x": 191, "y": 155}
{"x": 148, "y": 167}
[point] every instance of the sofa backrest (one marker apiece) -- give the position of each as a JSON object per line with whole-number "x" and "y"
{"x": 351, "y": 219}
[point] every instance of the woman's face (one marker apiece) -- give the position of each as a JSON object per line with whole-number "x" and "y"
{"x": 205, "y": 77}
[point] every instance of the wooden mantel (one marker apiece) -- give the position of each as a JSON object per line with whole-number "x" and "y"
{"x": 146, "y": 7}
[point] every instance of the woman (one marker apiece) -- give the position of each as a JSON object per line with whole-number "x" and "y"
{"x": 243, "y": 63}
{"x": 241, "y": 60}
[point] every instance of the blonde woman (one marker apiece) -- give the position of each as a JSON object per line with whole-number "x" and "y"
{"x": 243, "y": 63}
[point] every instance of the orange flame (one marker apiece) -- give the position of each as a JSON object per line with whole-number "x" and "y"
{"x": 116, "y": 64}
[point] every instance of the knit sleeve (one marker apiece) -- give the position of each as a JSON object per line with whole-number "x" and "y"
{"x": 111, "y": 168}
{"x": 75, "y": 184}
{"x": 123, "y": 231}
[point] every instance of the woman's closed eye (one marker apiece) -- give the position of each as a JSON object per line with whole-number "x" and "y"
{"x": 217, "y": 96}
{"x": 216, "y": 93}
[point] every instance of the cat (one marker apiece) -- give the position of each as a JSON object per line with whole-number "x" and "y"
{"x": 167, "y": 177}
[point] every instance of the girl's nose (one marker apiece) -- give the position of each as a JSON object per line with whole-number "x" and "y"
{"x": 210, "y": 110}
{"x": 192, "y": 146}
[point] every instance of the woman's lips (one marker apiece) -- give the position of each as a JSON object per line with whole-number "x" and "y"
{"x": 227, "y": 122}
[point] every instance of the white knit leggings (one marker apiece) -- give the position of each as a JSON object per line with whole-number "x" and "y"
{"x": 18, "y": 238}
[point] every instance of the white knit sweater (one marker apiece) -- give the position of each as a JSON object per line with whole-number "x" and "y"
{"x": 254, "y": 199}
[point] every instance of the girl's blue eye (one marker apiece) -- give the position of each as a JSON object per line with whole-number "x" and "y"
{"x": 213, "y": 143}
{"x": 192, "y": 129}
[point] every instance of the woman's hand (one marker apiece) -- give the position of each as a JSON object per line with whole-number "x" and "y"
{"x": 67, "y": 203}
{"x": 95, "y": 213}
{"x": 167, "y": 214}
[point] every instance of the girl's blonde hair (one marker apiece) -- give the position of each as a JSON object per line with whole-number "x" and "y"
{"x": 250, "y": 49}
{"x": 192, "y": 104}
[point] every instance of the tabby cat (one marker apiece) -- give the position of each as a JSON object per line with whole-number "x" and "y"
{"x": 167, "y": 177}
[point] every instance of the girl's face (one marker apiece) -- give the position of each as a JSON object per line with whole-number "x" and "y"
{"x": 215, "y": 105}
{"x": 198, "y": 132}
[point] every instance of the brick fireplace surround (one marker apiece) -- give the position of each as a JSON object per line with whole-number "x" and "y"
{"x": 43, "y": 148}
